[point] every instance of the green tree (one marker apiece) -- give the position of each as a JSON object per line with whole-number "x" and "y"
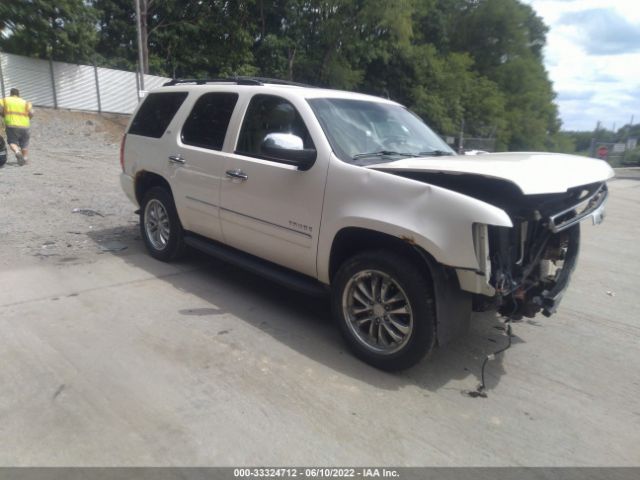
{"x": 632, "y": 156}
{"x": 328, "y": 42}
{"x": 203, "y": 39}
{"x": 476, "y": 63}
{"x": 61, "y": 30}
{"x": 117, "y": 42}
{"x": 505, "y": 39}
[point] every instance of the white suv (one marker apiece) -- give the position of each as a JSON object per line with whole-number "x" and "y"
{"x": 333, "y": 191}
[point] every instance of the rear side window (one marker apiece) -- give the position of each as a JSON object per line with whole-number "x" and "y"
{"x": 156, "y": 113}
{"x": 207, "y": 124}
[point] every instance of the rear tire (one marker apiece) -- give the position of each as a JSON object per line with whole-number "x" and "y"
{"x": 160, "y": 226}
{"x": 384, "y": 306}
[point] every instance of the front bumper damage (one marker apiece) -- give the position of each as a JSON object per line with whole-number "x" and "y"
{"x": 527, "y": 268}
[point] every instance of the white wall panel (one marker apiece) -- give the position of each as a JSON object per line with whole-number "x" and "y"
{"x": 151, "y": 82}
{"x": 31, "y": 76}
{"x": 118, "y": 90}
{"x": 75, "y": 85}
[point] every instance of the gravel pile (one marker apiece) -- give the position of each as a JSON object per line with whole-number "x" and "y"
{"x": 66, "y": 205}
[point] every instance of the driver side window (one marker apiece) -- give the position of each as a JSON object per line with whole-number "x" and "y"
{"x": 269, "y": 114}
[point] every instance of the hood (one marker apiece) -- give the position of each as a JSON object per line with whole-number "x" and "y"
{"x": 532, "y": 173}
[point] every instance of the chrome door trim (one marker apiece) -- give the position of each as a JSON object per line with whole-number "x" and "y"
{"x": 200, "y": 201}
{"x": 306, "y": 235}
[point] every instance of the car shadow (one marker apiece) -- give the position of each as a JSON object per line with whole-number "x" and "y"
{"x": 304, "y": 323}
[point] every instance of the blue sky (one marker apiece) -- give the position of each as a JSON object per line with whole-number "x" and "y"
{"x": 593, "y": 58}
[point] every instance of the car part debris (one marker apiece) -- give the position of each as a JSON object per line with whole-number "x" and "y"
{"x": 481, "y": 391}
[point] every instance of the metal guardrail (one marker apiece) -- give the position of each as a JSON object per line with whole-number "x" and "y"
{"x": 78, "y": 87}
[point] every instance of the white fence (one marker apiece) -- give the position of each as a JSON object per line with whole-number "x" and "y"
{"x": 78, "y": 87}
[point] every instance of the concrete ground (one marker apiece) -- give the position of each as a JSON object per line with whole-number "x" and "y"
{"x": 121, "y": 360}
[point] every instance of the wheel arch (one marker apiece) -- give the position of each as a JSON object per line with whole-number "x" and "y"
{"x": 453, "y": 305}
{"x": 144, "y": 180}
{"x": 351, "y": 240}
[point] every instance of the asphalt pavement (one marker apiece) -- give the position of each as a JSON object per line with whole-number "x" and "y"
{"x": 124, "y": 360}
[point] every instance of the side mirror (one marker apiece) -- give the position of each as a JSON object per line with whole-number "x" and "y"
{"x": 288, "y": 148}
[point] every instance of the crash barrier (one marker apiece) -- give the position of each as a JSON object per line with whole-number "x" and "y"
{"x": 77, "y": 87}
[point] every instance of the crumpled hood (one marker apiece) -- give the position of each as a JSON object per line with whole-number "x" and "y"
{"x": 532, "y": 173}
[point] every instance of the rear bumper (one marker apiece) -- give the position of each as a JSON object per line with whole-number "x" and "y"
{"x": 127, "y": 182}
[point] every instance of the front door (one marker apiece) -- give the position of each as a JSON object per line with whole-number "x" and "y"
{"x": 269, "y": 208}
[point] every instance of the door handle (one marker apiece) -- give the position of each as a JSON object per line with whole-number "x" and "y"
{"x": 176, "y": 159}
{"x": 237, "y": 174}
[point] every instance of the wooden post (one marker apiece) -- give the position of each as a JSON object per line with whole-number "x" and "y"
{"x": 138, "y": 85}
{"x": 140, "y": 47}
{"x": 95, "y": 71}
{"x": 53, "y": 84}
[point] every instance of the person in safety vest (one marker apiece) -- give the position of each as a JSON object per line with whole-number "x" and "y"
{"x": 17, "y": 115}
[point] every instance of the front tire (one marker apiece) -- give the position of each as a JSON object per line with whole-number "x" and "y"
{"x": 160, "y": 226}
{"x": 385, "y": 309}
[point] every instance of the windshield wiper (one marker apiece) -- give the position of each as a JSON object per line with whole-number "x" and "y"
{"x": 383, "y": 153}
{"x": 434, "y": 153}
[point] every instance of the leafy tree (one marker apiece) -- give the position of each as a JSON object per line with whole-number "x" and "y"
{"x": 563, "y": 143}
{"x": 117, "y": 42}
{"x": 633, "y": 156}
{"x": 205, "y": 39}
{"x": 328, "y": 42}
{"x": 505, "y": 39}
{"x": 61, "y": 30}
{"x": 476, "y": 63}
{"x": 217, "y": 35}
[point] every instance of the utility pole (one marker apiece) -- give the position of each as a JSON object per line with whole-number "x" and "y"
{"x": 140, "y": 54}
{"x": 144, "y": 33}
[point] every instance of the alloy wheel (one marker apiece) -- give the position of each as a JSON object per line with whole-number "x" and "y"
{"x": 377, "y": 311}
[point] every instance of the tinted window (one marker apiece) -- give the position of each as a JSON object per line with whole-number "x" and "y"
{"x": 207, "y": 124}
{"x": 267, "y": 114}
{"x": 156, "y": 113}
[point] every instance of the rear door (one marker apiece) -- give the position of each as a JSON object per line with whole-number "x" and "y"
{"x": 197, "y": 163}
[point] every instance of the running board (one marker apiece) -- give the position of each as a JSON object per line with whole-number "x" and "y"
{"x": 271, "y": 271}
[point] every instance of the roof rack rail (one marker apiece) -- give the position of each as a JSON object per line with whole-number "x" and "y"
{"x": 277, "y": 81}
{"x": 236, "y": 80}
{"x": 204, "y": 81}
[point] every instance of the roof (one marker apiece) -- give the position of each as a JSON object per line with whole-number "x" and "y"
{"x": 267, "y": 85}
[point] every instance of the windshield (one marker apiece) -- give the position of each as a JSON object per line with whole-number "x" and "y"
{"x": 364, "y": 132}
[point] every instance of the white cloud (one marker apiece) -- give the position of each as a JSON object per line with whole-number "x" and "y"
{"x": 596, "y": 73}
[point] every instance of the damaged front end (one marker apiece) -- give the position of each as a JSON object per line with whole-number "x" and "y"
{"x": 530, "y": 264}
{"x": 522, "y": 269}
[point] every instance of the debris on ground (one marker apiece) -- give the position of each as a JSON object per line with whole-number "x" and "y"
{"x": 87, "y": 211}
{"x": 611, "y": 293}
{"x": 479, "y": 393}
{"x": 114, "y": 246}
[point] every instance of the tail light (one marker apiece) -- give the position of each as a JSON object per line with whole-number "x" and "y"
{"x": 124, "y": 139}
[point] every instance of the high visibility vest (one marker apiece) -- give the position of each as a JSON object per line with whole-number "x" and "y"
{"x": 16, "y": 112}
